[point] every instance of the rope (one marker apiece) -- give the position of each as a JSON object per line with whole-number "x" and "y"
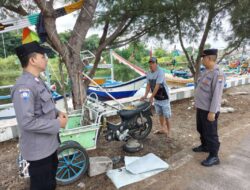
{"x": 55, "y": 75}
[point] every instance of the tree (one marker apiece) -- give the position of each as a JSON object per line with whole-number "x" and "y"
{"x": 240, "y": 20}
{"x": 159, "y": 52}
{"x": 134, "y": 52}
{"x": 192, "y": 21}
{"x": 13, "y": 7}
{"x": 204, "y": 17}
{"x": 64, "y": 36}
{"x": 91, "y": 43}
{"x": 116, "y": 19}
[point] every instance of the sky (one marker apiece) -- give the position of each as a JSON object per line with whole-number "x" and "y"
{"x": 67, "y": 23}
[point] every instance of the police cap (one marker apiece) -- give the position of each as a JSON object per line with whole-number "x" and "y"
{"x": 209, "y": 52}
{"x": 24, "y": 50}
{"x": 32, "y": 47}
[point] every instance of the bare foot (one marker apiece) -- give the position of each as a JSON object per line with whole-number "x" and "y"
{"x": 161, "y": 131}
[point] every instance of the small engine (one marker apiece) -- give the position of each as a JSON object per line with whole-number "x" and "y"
{"x": 116, "y": 133}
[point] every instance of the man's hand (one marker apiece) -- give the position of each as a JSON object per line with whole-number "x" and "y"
{"x": 151, "y": 99}
{"x": 63, "y": 118}
{"x": 211, "y": 116}
{"x": 143, "y": 98}
{"x": 62, "y": 114}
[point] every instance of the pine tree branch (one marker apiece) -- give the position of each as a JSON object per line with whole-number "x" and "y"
{"x": 235, "y": 46}
{"x": 190, "y": 63}
{"x": 19, "y": 10}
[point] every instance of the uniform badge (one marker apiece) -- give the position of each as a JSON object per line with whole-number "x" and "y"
{"x": 220, "y": 78}
{"x": 25, "y": 94}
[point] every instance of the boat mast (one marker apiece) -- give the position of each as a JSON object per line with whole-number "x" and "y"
{"x": 112, "y": 66}
{"x": 4, "y": 46}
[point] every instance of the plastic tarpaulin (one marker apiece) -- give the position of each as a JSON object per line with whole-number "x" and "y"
{"x": 137, "y": 169}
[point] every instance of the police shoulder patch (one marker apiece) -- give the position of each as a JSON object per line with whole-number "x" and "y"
{"x": 24, "y": 93}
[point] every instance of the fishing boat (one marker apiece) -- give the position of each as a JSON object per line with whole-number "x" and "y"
{"x": 120, "y": 90}
{"x": 174, "y": 78}
{"x": 178, "y": 80}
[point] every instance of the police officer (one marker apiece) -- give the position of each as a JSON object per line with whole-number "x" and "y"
{"x": 208, "y": 95}
{"x": 38, "y": 120}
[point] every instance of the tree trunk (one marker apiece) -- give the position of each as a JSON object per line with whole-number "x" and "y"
{"x": 77, "y": 90}
{"x": 194, "y": 66}
{"x": 75, "y": 68}
{"x": 70, "y": 51}
{"x": 211, "y": 16}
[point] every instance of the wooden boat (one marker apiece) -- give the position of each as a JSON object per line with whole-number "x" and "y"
{"x": 123, "y": 90}
{"x": 182, "y": 81}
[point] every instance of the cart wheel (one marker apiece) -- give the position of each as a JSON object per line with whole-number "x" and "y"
{"x": 73, "y": 163}
{"x": 69, "y": 142}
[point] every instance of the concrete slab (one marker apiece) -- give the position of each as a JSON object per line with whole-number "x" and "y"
{"x": 99, "y": 165}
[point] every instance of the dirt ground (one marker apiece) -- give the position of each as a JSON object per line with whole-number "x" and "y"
{"x": 183, "y": 134}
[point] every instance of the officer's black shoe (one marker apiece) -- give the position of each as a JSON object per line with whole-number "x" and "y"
{"x": 210, "y": 161}
{"x": 200, "y": 149}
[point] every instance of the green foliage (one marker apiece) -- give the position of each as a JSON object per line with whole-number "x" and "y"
{"x": 124, "y": 73}
{"x": 240, "y": 19}
{"x": 55, "y": 76}
{"x": 10, "y": 69}
{"x": 103, "y": 73}
{"x": 91, "y": 43}
{"x": 125, "y": 53}
{"x": 159, "y": 52}
{"x": 64, "y": 36}
{"x": 134, "y": 52}
{"x": 189, "y": 50}
{"x": 9, "y": 41}
{"x": 207, "y": 46}
{"x": 9, "y": 63}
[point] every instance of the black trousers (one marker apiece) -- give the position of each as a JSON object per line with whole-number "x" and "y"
{"x": 43, "y": 172}
{"x": 208, "y": 131}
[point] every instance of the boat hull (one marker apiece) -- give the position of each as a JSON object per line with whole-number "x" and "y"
{"x": 126, "y": 89}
